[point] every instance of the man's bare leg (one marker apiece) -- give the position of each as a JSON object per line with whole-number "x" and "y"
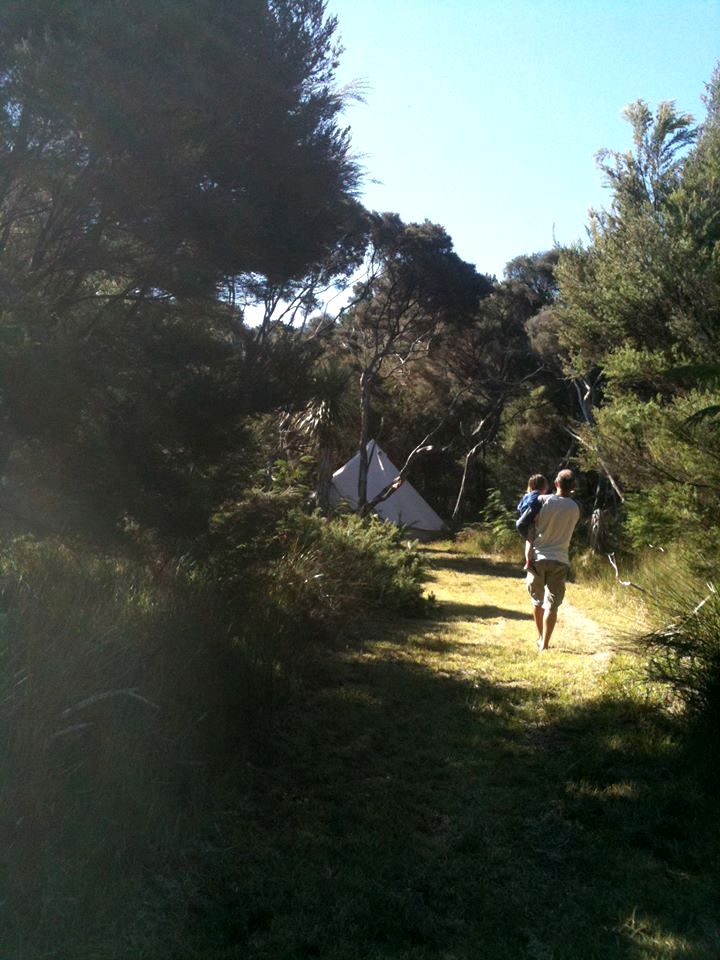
{"x": 538, "y": 613}
{"x": 548, "y": 625}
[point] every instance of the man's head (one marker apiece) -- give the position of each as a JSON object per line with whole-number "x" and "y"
{"x": 565, "y": 483}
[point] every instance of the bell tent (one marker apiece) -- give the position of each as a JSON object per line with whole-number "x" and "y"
{"x": 404, "y": 506}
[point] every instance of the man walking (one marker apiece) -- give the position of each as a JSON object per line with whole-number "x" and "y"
{"x": 547, "y": 575}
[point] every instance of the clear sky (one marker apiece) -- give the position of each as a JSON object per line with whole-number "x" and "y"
{"x": 485, "y": 115}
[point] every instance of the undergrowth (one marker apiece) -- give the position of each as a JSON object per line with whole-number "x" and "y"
{"x": 127, "y": 688}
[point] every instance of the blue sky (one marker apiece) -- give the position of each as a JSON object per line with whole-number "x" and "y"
{"x": 486, "y": 116}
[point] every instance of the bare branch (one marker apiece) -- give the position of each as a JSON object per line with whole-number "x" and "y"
{"x": 423, "y": 447}
{"x": 469, "y": 457}
{"x": 623, "y": 583}
{"x": 611, "y": 479}
{"x": 390, "y": 489}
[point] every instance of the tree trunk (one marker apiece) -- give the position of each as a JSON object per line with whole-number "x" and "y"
{"x": 585, "y": 390}
{"x": 365, "y": 384}
{"x": 469, "y": 457}
{"x": 324, "y": 477}
{"x": 586, "y": 398}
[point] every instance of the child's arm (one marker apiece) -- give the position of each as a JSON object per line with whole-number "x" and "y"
{"x": 529, "y": 553}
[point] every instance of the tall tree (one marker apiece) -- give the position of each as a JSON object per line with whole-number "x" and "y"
{"x": 644, "y": 179}
{"x": 490, "y": 361}
{"x": 156, "y": 158}
{"x": 207, "y": 133}
{"x": 640, "y": 310}
{"x": 415, "y": 285}
{"x": 618, "y": 292}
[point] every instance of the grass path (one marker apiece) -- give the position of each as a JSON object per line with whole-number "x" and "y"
{"x": 488, "y": 604}
{"x": 445, "y": 793}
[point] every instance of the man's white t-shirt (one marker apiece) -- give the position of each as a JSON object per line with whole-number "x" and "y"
{"x": 554, "y": 527}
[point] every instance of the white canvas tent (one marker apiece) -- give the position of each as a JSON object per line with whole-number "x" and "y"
{"x": 405, "y": 506}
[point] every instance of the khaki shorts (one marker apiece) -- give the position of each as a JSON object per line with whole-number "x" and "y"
{"x": 546, "y": 583}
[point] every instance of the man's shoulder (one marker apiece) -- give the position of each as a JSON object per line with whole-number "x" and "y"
{"x": 563, "y": 503}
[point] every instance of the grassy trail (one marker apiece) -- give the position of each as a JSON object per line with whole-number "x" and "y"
{"x": 445, "y": 793}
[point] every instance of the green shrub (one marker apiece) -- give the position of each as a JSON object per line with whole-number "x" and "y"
{"x": 496, "y": 533}
{"x": 124, "y": 687}
{"x": 347, "y": 565}
{"x": 685, "y": 650}
{"x": 249, "y": 531}
{"x": 317, "y": 570}
{"x": 666, "y": 514}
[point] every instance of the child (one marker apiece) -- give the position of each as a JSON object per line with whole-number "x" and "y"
{"x": 537, "y": 486}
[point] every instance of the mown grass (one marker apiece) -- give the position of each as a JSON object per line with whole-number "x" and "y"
{"x": 444, "y": 792}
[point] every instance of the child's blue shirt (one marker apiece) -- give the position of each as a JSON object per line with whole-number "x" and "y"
{"x": 531, "y": 499}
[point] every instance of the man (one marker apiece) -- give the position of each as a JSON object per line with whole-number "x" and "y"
{"x": 547, "y": 575}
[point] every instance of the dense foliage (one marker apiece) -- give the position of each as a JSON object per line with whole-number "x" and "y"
{"x": 145, "y": 180}
{"x": 638, "y": 324}
{"x": 638, "y": 321}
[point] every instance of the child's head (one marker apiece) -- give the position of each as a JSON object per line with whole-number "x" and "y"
{"x": 537, "y": 482}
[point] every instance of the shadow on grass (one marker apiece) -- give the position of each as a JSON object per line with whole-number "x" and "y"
{"x": 438, "y": 644}
{"x": 479, "y": 566}
{"x": 403, "y": 813}
{"x": 450, "y": 610}
{"x": 630, "y": 817}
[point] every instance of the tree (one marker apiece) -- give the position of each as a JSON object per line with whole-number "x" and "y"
{"x": 639, "y": 315}
{"x": 532, "y": 280}
{"x": 156, "y": 159}
{"x": 644, "y": 179}
{"x": 415, "y": 285}
{"x": 695, "y": 207}
{"x": 622, "y": 289}
{"x": 207, "y": 131}
{"x": 469, "y": 396}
